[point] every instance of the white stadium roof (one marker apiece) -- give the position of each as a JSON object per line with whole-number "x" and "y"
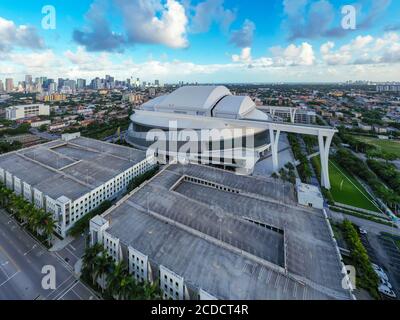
{"x": 211, "y": 101}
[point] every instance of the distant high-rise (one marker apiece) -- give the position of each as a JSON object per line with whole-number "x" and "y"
{"x": 1, "y": 86}
{"x": 60, "y": 82}
{"x": 9, "y": 85}
{"x": 81, "y": 84}
{"x": 28, "y": 79}
{"x": 157, "y": 83}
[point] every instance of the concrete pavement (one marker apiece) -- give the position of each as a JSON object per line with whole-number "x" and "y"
{"x": 21, "y": 261}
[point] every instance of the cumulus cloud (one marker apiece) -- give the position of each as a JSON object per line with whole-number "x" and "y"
{"x": 244, "y": 37}
{"x": 154, "y": 23}
{"x": 211, "y": 11}
{"x": 98, "y": 36}
{"x": 245, "y": 56}
{"x": 34, "y": 62}
{"x": 363, "y": 50}
{"x": 302, "y": 55}
{"x": 148, "y": 22}
{"x": 309, "y": 20}
{"x": 21, "y": 36}
{"x": 291, "y": 56}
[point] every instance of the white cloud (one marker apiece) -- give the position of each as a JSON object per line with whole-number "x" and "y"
{"x": 363, "y": 50}
{"x": 211, "y": 11}
{"x": 22, "y": 36}
{"x": 152, "y": 22}
{"x": 245, "y": 56}
{"x": 302, "y": 55}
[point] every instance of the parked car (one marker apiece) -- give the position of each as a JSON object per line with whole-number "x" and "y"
{"x": 363, "y": 231}
{"x": 386, "y": 291}
{"x": 386, "y": 283}
{"x": 379, "y": 271}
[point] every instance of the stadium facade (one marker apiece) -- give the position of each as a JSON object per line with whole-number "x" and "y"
{"x": 197, "y": 120}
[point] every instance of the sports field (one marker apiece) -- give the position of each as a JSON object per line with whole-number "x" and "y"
{"x": 391, "y": 146}
{"x": 347, "y": 190}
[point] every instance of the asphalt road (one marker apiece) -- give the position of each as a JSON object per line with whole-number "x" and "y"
{"x": 44, "y": 135}
{"x": 370, "y": 226}
{"x": 21, "y": 261}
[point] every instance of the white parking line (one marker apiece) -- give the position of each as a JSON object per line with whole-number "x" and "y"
{"x": 29, "y": 251}
{"x": 9, "y": 278}
{"x": 62, "y": 294}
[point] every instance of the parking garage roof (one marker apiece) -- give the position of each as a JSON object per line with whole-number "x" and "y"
{"x": 72, "y": 168}
{"x": 235, "y": 237}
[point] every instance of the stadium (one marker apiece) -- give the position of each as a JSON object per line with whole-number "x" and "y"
{"x": 200, "y": 123}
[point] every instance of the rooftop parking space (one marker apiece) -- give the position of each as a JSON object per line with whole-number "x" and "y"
{"x": 176, "y": 228}
{"x": 48, "y": 158}
{"x": 257, "y": 185}
{"x": 70, "y": 168}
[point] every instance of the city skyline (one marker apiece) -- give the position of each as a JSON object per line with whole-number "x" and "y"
{"x": 278, "y": 41}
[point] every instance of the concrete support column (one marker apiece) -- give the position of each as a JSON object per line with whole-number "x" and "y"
{"x": 274, "y": 137}
{"x": 324, "y": 146}
{"x": 293, "y": 115}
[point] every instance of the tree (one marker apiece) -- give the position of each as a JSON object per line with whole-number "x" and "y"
{"x": 102, "y": 264}
{"x": 120, "y": 283}
{"x": 151, "y": 291}
{"x": 89, "y": 256}
{"x": 46, "y": 224}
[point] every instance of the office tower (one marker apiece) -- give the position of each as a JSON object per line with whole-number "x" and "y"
{"x": 9, "y": 85}
{"x": 81, "y": 84}
{"x": 28, "y": 79}
{"x": 1, "y": 86}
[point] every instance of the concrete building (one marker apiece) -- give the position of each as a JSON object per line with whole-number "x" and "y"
{"x": 206, "y": 233}
{"x": 38, "y": 124}
{"x": 27, "y": 111}
{"x": 288, "y": 114}
{"x": 9, "y": 85}
{"x": 309, "y": 195}
{"x": 72, "y": 176}
{"x": 208, "y": 124}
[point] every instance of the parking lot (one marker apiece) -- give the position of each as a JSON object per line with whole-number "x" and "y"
{"x": 21, "y": 262}
{"x": 393, "y": 253}
{"x": 382, "y": 250}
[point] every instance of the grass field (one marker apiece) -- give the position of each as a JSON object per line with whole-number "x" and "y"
{"x": 347, "y": 190}
{"x": 391, "y": 146}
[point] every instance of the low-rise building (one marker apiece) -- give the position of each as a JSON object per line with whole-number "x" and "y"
{"x": 309, "y": 195}
{"x": 27, "y": 111}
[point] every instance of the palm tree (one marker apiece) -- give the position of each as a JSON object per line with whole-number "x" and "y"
{"x": 102, "y": 264}
{"x": 119, "y": 282}
{"x": 44, "y": 223}
{"x": 90, "y": 254}
{"x": 151, "y": 291}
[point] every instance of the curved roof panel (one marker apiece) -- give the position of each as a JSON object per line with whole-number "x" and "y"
{"x": 234, "y": 107}
{"x": 194, "y": 97}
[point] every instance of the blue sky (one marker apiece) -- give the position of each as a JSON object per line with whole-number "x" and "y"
{"x": 202, "y": 40}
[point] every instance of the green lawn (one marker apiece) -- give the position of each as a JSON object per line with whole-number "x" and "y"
{"x": 347, "y": 190}
{"x": 390, "y": 146}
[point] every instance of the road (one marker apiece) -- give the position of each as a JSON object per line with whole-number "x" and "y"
{"x": 44, "y": 135}
{"x": 370, "y": 226}
{"x": 21, "y": 261}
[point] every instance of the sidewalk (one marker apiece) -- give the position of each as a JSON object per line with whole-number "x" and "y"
{"x": 58, "y": 245}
